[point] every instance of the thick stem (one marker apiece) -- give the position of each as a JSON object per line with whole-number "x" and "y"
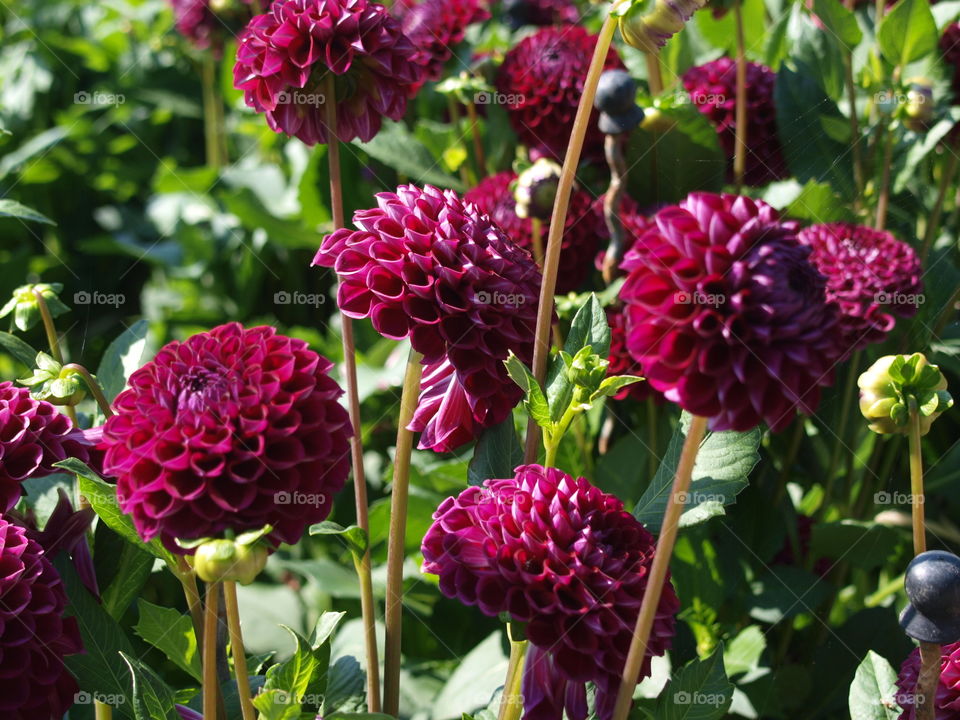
{"x": 916, "y": 482}
{"x": 946, "y": 180}
{"x": 654, "y": 74}
{"x": 210, "y": 688}
{"x": 102, "y": 711}
{"x": 211, "y": 129}
{"x": 740, "y": 149}
{"x": 541, "y": 348}
{"x": 53, "y": 340}
{"x": 367, "y": 605}
{"x": 236, "y": 650}
{"x": 927, "y": 681}
{"x": 94, "y": 387}
{"x": 661, "y": 563}
{"x": 188, "y": 581}
{"x": 398, "y": 531}
{"x": 511, "y": 702}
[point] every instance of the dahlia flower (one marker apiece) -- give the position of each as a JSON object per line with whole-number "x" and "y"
{"x": 435, "y": 27}
{"x": 583, "y": 228}
{"x": 34, "y": 683}
{"x": 285, "y": 54}
{"x": 33, "y": 436}
{"x": 947, "y": 701}
{"x": 726, "y": 314}
{"x": 870, "y": 274}
{"x": 542, "y": 80}
{"x": 565, "y": 558}
{"x": 208, "y": 22}
{"x": 620, "y": 361}
{"x": 231, "y": 429}
{"x": 713, "y": 89}
{"x": 424, "y": 264}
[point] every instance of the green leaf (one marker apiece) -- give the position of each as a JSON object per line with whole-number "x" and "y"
{"x": 274, "y": 704}
{"x": 497, "y": 453}
{"x": 698, "y": 691}
{"x": 817, "y": 202}
{"x": 840, "y": 21}
{"x": 346, "y": 687}
{"x": 589, "y": 327}
{"x": 535, "y": 401}
{"x": 355, "y": 538}
{"x": 133, "y": 571}
{"x": 907, "y": 32}
{"x": 743, "y": 653}
{"x": 723, "y": 465}
{"x": 103, "y": 498}
{"x": 612, "y": 385}
{"x": 862, "y": 544}
{"x": 18, "y": 348}
{"x": 172, "y": 633}
{"x": 873, "y": 693}
{"x": 124, "y": 355}
{"x": 11, "y": 208}
{"x": 396, "y": 147}
{"x": 474, "y": 681}
{"x": 152, "y": 697}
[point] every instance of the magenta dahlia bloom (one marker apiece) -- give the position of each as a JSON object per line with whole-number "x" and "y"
{"x": 424, "y": 264}
{"x": 230, "y": 429}
{"x": 285, "y": 54}
{"x": 870, "y": 274}
{"x": 713, "y": 89}
{"x": 583, "y": 229}
{"x": 435, "y": 27}
{"x": 34, "y": 682}
{"x": 947, "y": 702}
{"x": 541, "y": 81}
{"x": 201, "y": 24}
{"x": 727, "y": 315}
{"x": 33, "y": 436}
{"x": 564, "y": 557}
{"x": 622, "y": 363}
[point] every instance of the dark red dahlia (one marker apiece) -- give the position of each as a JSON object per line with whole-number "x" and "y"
{"x": 727, "y": 315}
{"x": 425, "y": 265}
{"x": 713, "y": 89}
{"x": 950, "y": 49}
{"x": 947, "y": 702}
{"x": 540, "y": 12}
{"x": 870, "y": 274}
{"x": 285, "y": 54}
{"x": 209, "y": 22}
{"x": 564, "y": 557}
{"x": 230, "y": 429}
{"x": 582, "y": 232}
{"x": 34, "y": 682}
{"x": 435, "y": 27}
{"x": 622, "y": 363}
{"x": 33, "y": 436}
{"x": 541, "y": 81}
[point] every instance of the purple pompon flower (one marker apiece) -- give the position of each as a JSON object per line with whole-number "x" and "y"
{"x": 285, "y": 54}
{"x": 947, "y": 701}
{"x": 34, "y": 682}
{"x": 426, "y": 265}
{"x": 727, "y": 315}
{"x": 435, "y": 27}
{"x": 231, "y": 429}
{"x": 33, "y": 436}
{"x": 564, "y": 557}
{"x": 870, "y": 274}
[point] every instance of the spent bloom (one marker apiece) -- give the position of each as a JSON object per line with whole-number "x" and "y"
{"x": 285, "y": 54}
{"x": 231, "y": 429}
{"x": 34, "y": 682}
{"x": 426, "y": 265}
{"x": 870, "y": 276}
{"x": 564, "y": 557}
{"x": 726, "y": 315}
{"x": 947, "y": 701}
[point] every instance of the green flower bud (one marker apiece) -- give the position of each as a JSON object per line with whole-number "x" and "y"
{"x": 586, "y": 370}
{"x": 896, "y": 383}
{"x": 51, "y": 382}
{"x": 226, "y": 560}
{"x": 26, "y": 308}
{"x": 536, "y": 189}
{"x": 918, "y": 109}
{"x": 648, "y": 29}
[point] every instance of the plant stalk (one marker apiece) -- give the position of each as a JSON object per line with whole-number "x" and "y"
{"x": 210, "y": 686}
{"x": 211, "y": 122}
{"x": 237, "y": 651}
{"x": 654, "y": 74}
{"x": 661, "y": 562}
{"x": 398, "y": 530}
{"x": 946, "y": 180}
{"x": 188, "y": 580}
{"x": 883, "y": 202}
{"x": 854, "y": 126}
{"x": 102, "y": 711}
{"x": 511, "y": 702}
{"x": 740, "y": 150}
{"x": 916, "y": 482}
{"x": 479, "y": 156}
{"x": 94, "y": 386}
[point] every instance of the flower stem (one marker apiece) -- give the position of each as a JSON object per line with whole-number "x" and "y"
{"x": 367, "y": 604}
{"x": 916, "y": 481}
{"x": 883, "y": 202}
{"x": 927, "y": 681}
{"x": 53, "y": 340}
{"x": 536, "y": 230}
{"x": 946, "y": 180}
{"x": 454, "y": 110}
{"x": 398, "y": 531}
{"x": 211, "y": 126}
{"x": 102, "y": 711}
{"x": 541, "y": 347}
{"x": 479, "y": 156}
{"x": 210, "y": 689}
{"x": 236, "y": 650}
{"x": 511, "y": 701}
{"x": 854, "y": 126}
{"x": 94, "y": 387}
{"x": 847, "y": 402}
{"x": 654, "y": 76}
{"x": 740, "y": 152}
{"x": 661, "y": 562}
{"x": 188, "y": 580}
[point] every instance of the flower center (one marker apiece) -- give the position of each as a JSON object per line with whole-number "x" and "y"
{"x": 203, "y": 389}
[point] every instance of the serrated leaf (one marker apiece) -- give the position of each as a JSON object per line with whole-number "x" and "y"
{"x": 172, "y": 633}
{"x": 723, "y": 465}
{"x": 907, "y": 32}
{"x": 11, "y": 208}
{"x": 355, "y": 538}
{"x": 698, "y": 691}
{"x": 124, "y": 355}
{"x": 535, "y": 401}
{"x": 497, "y": 453}
{"x": 873, "y": 693}
{"x": 18, "y": 348}
{"x": 152, "y": 697}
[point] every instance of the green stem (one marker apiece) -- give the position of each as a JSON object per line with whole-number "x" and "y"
{"x": 883, "y": 203}
{"x": 511, "y": 701}
{"x": 94, "y": 387}
{"x": 237, "y": 651}
{"x": 398, "y": 529}
{"x": 916, "y": 481}
{"x": 541, "y": 347}
{"x": 210, "y": 685}
{"x": 102, "y": 711}
{"x": 946, "y": 180}
{"x": 188, "y": 581}
{"x": 854, "y": 126}
{"x": 661, "y": 562}
{"x": 479, "y": 156}
{"x": 53, "y": 340}
{"x": 211, "y": 129}
{"x": 740, "y": 151}
{"x": 884, "y": 591}
{"x": 795, "y": 441}
{"x": 841, "y": 438}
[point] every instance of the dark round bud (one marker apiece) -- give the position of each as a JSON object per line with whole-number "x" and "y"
{"x": 933, "y": 588}
{"x": 517, "y": 13}
{"x": 616, "y": 93}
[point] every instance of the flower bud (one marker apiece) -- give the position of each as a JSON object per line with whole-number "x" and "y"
{"x": 536, "y": 189}
{"x": 587, "y": 370}
{"x": 226, "y": 560}
{"x": 26, "y": 308}
{"x": 649, "y": 31}
{"x": 51, "y": 382}
{"x": 918, "y": 109}
{"x": 894, "y": 385}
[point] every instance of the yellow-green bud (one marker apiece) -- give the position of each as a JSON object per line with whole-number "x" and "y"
{"x": 55, "y": 384}
{"x": 220, "y": 560}
{"x": 26, "y": 308}
{"x": 894, "y": 385}
{"x": 918, "y": 109}
{"x": 649, "y": 29}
